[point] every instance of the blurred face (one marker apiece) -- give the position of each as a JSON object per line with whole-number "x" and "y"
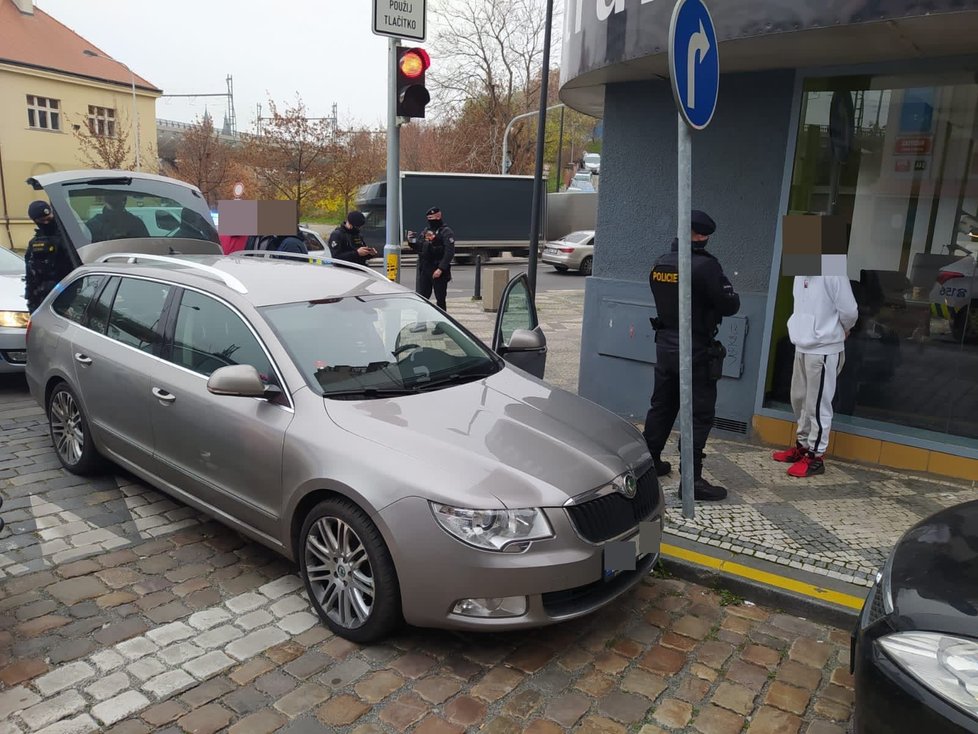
{"x": 116, "y": 201}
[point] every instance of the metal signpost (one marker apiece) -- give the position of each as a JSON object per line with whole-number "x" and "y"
{"x": 396, "y": 19}
{"x": 694, "y": 66}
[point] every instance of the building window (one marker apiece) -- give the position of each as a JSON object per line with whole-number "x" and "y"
{"x": 101, "y": 121}
{"x": 906, "y": 183}
{"x": 43, "y": 113}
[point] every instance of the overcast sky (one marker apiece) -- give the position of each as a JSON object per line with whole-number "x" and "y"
{"x": 323, "y": 50}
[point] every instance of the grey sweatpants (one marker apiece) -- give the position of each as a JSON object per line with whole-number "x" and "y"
{"x": 812, "y": 389}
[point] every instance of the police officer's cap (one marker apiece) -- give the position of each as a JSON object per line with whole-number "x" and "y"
{"x": 702, "y": 223}
{"x": 357, "y": 219}
{"x": 434, "y": 210}
{"x": 38, "y": 210}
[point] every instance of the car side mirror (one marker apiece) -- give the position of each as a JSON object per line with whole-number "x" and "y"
{"x": 165, "y": 220}
{"x": 525, "y": 340}
{"x": 239, "y": 380}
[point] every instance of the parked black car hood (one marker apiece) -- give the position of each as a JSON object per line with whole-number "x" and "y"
{"x": 934, "y": 577}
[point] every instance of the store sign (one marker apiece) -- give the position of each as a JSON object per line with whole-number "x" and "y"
{"x": 913, "y": 145}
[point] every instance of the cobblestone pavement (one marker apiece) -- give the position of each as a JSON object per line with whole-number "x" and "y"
{"x": 202, "y": 631}
{"x": 841, "y": 524}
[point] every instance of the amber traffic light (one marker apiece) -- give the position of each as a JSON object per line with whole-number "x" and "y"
{"x": 412, "y": 96}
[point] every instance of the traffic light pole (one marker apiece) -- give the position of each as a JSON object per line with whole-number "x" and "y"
{"x": 392, "y": 248}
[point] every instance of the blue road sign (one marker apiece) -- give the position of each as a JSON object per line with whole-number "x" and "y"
{"x": 694, "y": 62}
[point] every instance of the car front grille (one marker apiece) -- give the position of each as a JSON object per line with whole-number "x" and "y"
{"x": 609, "y": 516}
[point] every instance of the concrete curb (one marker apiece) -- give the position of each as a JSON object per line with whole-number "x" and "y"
{"x": 792, "y": 591}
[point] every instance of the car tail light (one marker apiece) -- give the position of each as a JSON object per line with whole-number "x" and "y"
{"x": 566, "y": 249}
{"x": 945, "y": 275}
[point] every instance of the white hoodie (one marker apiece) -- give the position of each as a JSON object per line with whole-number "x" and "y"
{"x": 825, "y": 310}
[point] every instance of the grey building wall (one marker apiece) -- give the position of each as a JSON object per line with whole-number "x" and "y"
{"x": 738, "y": 175}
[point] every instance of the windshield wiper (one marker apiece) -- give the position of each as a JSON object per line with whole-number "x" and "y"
{"x": 371, "y": 392}
{"x": 456, "y": 378}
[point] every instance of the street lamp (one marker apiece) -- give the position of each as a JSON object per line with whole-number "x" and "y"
{"x": 505, "y": 165}
{"x": 135, "y": 113}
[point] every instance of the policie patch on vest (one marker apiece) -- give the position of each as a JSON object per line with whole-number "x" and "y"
{"x": 660, "y": 277}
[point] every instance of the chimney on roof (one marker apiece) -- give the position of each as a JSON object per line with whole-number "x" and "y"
{"x": 25, "y": 6}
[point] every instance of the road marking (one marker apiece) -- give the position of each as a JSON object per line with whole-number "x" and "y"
{"x": 764, "y": 577}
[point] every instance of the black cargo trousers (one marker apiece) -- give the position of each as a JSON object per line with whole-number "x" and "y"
{"x": 664, "y": 410}
{"x": 427, "y": 282}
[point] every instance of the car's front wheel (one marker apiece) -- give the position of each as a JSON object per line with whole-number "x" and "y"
{"x": 348, "y": 572}
{"x": 70, "y": 432}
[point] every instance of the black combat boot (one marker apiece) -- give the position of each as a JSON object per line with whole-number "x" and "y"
{"x": 702, "y": 489}
{"x": 662, "y": 468}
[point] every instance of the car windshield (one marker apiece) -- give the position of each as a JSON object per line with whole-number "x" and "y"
{"x": 576, "y": 238}
{"x": 377, "y": 346}
{"x": 10, "y": 263}
{"x": 592, "y": 158}
{"x": 111, "y": 209}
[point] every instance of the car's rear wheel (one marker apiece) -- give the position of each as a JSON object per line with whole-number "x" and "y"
{"x": 70, "y": 432}
{"x": 348, "y": 572}
{"x": 586, "y": 265}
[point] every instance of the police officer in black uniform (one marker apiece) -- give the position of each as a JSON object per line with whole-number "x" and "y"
{"x": 713, "y": 297}
{"x": 346, "y": 242}
{"x": 47, "y": 260}
{"x": 435, "y": 255}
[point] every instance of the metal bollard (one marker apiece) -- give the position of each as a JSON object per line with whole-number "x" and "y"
{"x": 477, "y": 296}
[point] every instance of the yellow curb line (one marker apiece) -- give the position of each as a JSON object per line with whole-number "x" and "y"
{"x": 771, "y": 579}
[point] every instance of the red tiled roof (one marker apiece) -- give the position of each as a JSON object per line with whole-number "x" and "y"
{"x": 41, "y": 42}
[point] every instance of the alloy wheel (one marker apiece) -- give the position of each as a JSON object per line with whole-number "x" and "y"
{"x": 66, "y": 427}
{"x": 339, "y": 572}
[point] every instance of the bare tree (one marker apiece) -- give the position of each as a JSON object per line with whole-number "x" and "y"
{"x": 204, "y": 160}
{"x": 490, "y": 54}
{"x": 104, "y": 143}
{"x": 290, "y": 156}
{"x": 358, "y": 157}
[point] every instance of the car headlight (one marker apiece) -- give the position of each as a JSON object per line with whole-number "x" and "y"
{"x": 509, "y": 531}
{"x": 944, "y": 664}
{"x": 14, "y": 319}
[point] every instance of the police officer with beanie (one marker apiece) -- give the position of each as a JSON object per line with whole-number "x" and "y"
{"x": 713, "y": 297}
{"x": 346, "y": 242}
{"x": 47, "y": 260}
{"x": 435, "y": 257}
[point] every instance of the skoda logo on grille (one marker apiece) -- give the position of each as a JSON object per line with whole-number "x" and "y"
{"x": 629, "y": 485}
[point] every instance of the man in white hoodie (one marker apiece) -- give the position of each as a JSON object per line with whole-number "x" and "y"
{"x": 824, "y": 313}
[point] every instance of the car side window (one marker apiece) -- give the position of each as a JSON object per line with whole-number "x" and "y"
{"x": 208, "y": 335}
{"x": 74, "y": 301}
{"x": 98, "y": 312}
{"x": 136, "y": 313}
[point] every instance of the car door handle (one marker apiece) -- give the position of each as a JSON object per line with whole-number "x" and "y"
{"x": 82, "y": 358}
{"x": 163, "y": 395}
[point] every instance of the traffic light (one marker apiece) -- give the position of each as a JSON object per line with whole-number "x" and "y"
{"x": 412, "y": 96}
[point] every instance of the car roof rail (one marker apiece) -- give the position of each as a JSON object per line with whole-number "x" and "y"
{"x": 306, "y": 258}
{"x": 133, "y": 257}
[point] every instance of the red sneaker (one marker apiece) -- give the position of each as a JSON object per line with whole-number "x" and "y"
{"x": 790, "y": 456}
{"x": 807, "y": 466}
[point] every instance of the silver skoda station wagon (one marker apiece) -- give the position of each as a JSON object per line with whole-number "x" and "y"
{"x": 413, "y": 473}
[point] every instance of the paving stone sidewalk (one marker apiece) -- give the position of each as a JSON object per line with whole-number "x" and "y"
{"x": 841, "y": 524}
{"x": 202, "y": 631}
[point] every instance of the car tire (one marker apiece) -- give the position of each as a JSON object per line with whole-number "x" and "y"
{"x": 70, "y": 432}
{"x": 341, "y": 538}
{"x": 586, "y": 265}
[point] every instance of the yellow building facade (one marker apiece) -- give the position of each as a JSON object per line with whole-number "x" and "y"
{"x": 45, "y": 102}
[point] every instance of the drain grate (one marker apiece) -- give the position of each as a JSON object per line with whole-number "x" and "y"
{"x": 728, "y": 424}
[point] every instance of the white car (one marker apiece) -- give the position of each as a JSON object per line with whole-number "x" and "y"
{"x": 592, "y": 161}
{"x": 13, "y": 313}
{"x": 581, "y": 182}
{"x": 574, "y": 251}
{"x": 314, "y": 241}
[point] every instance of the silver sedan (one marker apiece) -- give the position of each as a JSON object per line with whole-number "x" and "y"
{"x": 574, "y": 251}
{"x": 13, "y": 313}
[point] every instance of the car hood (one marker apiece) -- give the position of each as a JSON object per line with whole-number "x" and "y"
{"x": 934, "y": 573}
{"x": 508, "y": 436}
{"x": 12, "y": 292}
